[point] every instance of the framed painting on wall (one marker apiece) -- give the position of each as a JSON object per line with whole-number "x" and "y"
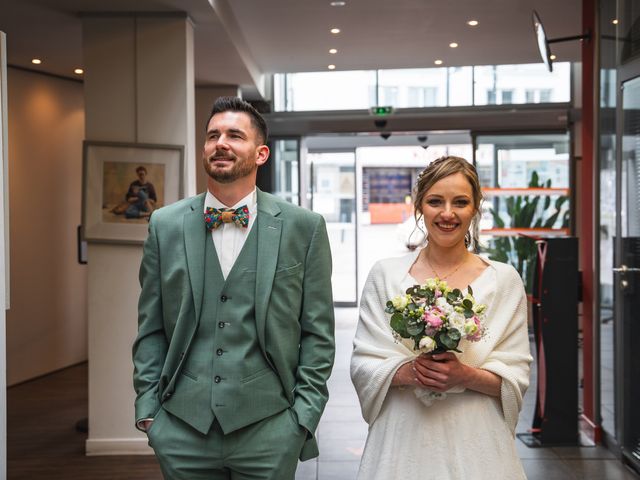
{"x": 123, "y": 184}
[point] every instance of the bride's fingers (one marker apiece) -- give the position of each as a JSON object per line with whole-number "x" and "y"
{"x": 426, "y": 372}
{"x": 434, "y": 385}
{"x": 440, "y": 367}
{"x": 439, "y": 357}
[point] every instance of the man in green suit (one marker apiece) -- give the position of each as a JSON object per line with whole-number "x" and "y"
{"x": 235, "y": 320}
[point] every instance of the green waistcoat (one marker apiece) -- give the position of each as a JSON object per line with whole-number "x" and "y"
{"x": 225, "y": 375}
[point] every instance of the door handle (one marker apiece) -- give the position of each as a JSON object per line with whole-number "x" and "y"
{"x": 624, "y": 269}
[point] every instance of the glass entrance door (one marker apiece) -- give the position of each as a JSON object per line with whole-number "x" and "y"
{"x": 626, "y": 270}
{"x": 284, "y": 180}
{"x": 332, "y": 188}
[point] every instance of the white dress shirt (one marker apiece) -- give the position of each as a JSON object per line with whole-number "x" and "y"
{"x": 228, "y": 238}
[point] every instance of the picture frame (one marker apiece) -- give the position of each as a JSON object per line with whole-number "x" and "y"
{"x": 123, "y": 183}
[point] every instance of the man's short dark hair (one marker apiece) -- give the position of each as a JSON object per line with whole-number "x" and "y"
{"x": 141, "y": 169}
{"x": 235, "y": 104}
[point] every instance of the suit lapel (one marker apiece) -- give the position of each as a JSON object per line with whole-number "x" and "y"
{"x": 269, "y": 232}
{"x": 195, "y": 235}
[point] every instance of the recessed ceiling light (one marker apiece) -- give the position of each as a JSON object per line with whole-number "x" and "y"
{"x": 453, "y": 45}
{"x": 78, "y": 71}
{"x": 333, "y": 51}
{"x": 614, "y": 21}
{"x": 331, "y": 67}
{"x": 335, "y": 31}
{"x": 36, "y": 61}
{"x": 552, "y": 57}
{"x": 338, "y": 4}
{"x": 472, "y": 23}
{"x": 438, "y": 62}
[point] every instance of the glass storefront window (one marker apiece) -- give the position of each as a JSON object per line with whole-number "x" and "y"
{"x": 351, "y": 90}
{"x": 530, "y": 83}
{"x": 423, "y": 87}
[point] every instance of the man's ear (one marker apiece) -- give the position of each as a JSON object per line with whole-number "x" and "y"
{"x": 262, "y": 155}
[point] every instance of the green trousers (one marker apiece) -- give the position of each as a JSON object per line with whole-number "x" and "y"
{"x": 265, "y": 450}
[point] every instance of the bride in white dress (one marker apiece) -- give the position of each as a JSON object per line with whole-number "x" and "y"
{"x": 469, "y": 432}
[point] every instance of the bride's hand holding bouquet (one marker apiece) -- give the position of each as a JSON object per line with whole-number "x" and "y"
{"x": 432, "y": 319}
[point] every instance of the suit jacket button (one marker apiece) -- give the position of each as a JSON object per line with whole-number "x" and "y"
{"x": 221, "y": 324}
{"x": 217, "y": 379}
{"x": 223, "y": 298}
{"x": 219, "y": 352}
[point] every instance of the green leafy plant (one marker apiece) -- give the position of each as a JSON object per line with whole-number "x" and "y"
{"x": 524, "y": 212}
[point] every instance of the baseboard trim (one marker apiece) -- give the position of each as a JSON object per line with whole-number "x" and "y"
{"x": 117, "y": 446}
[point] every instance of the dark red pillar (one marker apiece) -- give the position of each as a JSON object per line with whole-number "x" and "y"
{"x": 588, "y": 169}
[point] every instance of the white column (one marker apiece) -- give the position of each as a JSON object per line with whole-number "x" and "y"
{"x": 139, "y": 88}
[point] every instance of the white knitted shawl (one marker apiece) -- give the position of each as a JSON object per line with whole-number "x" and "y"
{"x": 503, "y": 351}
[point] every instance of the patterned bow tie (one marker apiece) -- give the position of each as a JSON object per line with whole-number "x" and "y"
{"x": 214, "y": 217}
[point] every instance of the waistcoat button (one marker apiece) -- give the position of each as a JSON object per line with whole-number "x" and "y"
{"x": 223, "y": 298}
{"x": 217, "y": 379}
{"x": 221, "y": 324}
{"x": 219, "y": 352}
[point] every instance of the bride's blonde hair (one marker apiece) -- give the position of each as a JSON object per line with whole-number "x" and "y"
{"x": 436, "y": 171}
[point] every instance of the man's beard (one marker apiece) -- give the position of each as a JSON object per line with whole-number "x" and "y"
{"x": 238, "y": 169}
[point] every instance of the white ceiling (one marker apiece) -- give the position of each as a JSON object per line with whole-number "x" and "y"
{"x": 237, "y": 41}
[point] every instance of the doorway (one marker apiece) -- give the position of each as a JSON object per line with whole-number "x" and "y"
{"x": 626, "y": 269}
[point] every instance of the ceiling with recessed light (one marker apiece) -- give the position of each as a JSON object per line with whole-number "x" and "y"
{"x": 236, "y": 37}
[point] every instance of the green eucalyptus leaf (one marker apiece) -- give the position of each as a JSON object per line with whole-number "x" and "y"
{"x": 467, "y": 303}
{"x": 449, "y": 342}
{"x": 454, "y": 334}
{"x": 398, "y": 324}
{"x": 414, "y": 329}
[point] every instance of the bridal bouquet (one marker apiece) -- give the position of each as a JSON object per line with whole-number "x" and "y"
{"x": 434, "y": 318}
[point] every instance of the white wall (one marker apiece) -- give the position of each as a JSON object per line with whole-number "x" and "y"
{"x": 47, "y": 322}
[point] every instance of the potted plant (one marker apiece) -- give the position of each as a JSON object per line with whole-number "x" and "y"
{"x": 526, "y": 211}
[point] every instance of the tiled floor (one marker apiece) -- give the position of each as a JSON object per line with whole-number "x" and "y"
{"x": 42, "y": 446}
{"x": 342, "y": 432}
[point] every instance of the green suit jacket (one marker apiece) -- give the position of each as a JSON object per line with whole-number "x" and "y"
{"x": 293, "y": 304}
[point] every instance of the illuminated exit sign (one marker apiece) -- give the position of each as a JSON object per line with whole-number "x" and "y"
{"x": 381, "y": 111}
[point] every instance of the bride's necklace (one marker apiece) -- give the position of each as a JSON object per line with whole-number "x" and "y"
{"x": 443, "y": 277}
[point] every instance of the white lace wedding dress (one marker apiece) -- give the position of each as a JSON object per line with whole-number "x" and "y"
{"x": 465, "y": 436}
